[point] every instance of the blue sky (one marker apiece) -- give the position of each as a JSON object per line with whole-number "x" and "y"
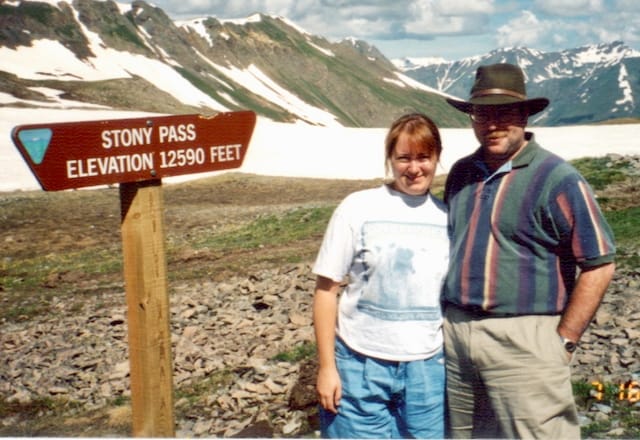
{"x": 450, "y": 29}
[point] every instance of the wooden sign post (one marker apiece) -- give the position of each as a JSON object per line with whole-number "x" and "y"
{"x": 136, "y": 154}
{"x": 145, "y": 275}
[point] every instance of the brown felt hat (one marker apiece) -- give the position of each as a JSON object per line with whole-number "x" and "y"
{"x": 499, "y": 84}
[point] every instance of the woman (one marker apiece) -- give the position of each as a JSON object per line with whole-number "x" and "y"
{"x": 381, "y": 367}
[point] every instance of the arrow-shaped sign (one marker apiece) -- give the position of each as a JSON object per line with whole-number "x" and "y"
{"x": 90, "y": 153}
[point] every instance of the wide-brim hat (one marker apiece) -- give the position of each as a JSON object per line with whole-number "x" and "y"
{"x": 499, "y": 84}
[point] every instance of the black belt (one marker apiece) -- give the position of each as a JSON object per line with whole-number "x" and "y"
{"x": 477, "y": 312}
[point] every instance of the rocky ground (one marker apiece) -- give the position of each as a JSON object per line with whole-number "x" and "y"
{"x": 239, "y": 326}
{"x": 228, "y": 334}
{"x": 228, "y": 331}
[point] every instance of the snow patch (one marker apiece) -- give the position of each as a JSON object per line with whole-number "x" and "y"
{"x": 336, "y": 152}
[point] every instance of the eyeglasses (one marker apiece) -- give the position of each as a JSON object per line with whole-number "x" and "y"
{"x": 485, "y": 113}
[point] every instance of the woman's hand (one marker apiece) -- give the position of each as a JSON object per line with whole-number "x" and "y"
{"x": 329, "y": 389}
{"x": 325, "y": 313}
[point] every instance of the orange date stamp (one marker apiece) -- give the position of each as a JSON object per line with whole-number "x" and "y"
{"x": 629, "y": 390}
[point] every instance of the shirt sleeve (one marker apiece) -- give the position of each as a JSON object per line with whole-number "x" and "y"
{"x": 338, "y": 245}
{"x": 581, "y": 224}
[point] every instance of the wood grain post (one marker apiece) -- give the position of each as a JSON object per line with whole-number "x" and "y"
{"x": 145, "y": 274}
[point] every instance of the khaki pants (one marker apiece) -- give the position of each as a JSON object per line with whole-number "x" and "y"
{"x": 507, "y": 377}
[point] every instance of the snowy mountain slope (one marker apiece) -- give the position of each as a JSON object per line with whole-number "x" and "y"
{"x": 134, "y": 57}
{"x": 587, "y": 84}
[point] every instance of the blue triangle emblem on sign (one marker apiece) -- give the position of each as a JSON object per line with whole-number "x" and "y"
{"x": 36, "y": 141}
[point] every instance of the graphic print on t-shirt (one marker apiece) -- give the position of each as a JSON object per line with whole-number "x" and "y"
{"x": 399, "y": 261}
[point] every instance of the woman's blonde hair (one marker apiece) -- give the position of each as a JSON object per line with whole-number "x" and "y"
{"x": 423, "y": 133}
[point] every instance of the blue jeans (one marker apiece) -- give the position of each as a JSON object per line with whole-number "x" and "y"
{"x": 387, "y": 399}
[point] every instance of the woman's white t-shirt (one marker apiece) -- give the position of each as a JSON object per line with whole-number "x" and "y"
{"x": 395, "y": 251}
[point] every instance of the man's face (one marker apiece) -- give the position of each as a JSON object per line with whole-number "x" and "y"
{"x": 500, "y": 131}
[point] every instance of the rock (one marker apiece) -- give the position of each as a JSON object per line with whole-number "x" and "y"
{"x": 291, "y": 427}
{"x": 603, "y": 315}
{"x": 615, "y": 433}
{"x": 304, "y": 395}
{"x": 584, "y": 420}
{"x": 202, "y": 427}
{"x": 21, "y": 397}
{"x": 601, "y": 417}
{"x": 226, "y": 335}
{"x": 632, "y": 333}
{"x": 261, "y": 429}
{"x": 619, "y": 341}
{"x": 300, "y": 319}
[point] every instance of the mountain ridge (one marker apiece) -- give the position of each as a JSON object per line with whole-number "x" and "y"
{"x": 588, "y": 84}
{"x": 135, "y": 58}
{"x": 90, "y": 53}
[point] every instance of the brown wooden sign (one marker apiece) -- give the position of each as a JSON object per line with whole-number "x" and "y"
{"x": 91, "y": 153}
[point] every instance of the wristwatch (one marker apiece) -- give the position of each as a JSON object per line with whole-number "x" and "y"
{"x": 569, "y": 345}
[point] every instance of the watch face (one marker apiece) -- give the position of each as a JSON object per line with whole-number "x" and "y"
{"x": 570, "y": 346}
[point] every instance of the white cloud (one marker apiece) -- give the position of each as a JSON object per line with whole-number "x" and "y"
{"x": 524, "y": 30}
{"x": 627, "y": 5}
{"x": 218, "y": 8}
{"x": 548, "y": 24}
{"x": 464, "y": 7}
{"x": 623, "y": 24}
{"x": 429, "y": 18}
{"x": 570, "y": 8}
{"x": 424, "y": 19}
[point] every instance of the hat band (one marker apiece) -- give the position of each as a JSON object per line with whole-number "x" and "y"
{"x": 487, "y": 92}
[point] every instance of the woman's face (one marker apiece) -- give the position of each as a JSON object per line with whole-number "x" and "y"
{"x": 413, "y": 167}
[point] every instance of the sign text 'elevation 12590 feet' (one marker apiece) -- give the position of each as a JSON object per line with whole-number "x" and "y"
{"x": 90, "y": 153}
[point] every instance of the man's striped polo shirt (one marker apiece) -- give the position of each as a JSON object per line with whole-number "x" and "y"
{"x": 518, "y": 235}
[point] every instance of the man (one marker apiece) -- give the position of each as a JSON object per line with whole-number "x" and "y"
{"x": 521, "y": 222}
